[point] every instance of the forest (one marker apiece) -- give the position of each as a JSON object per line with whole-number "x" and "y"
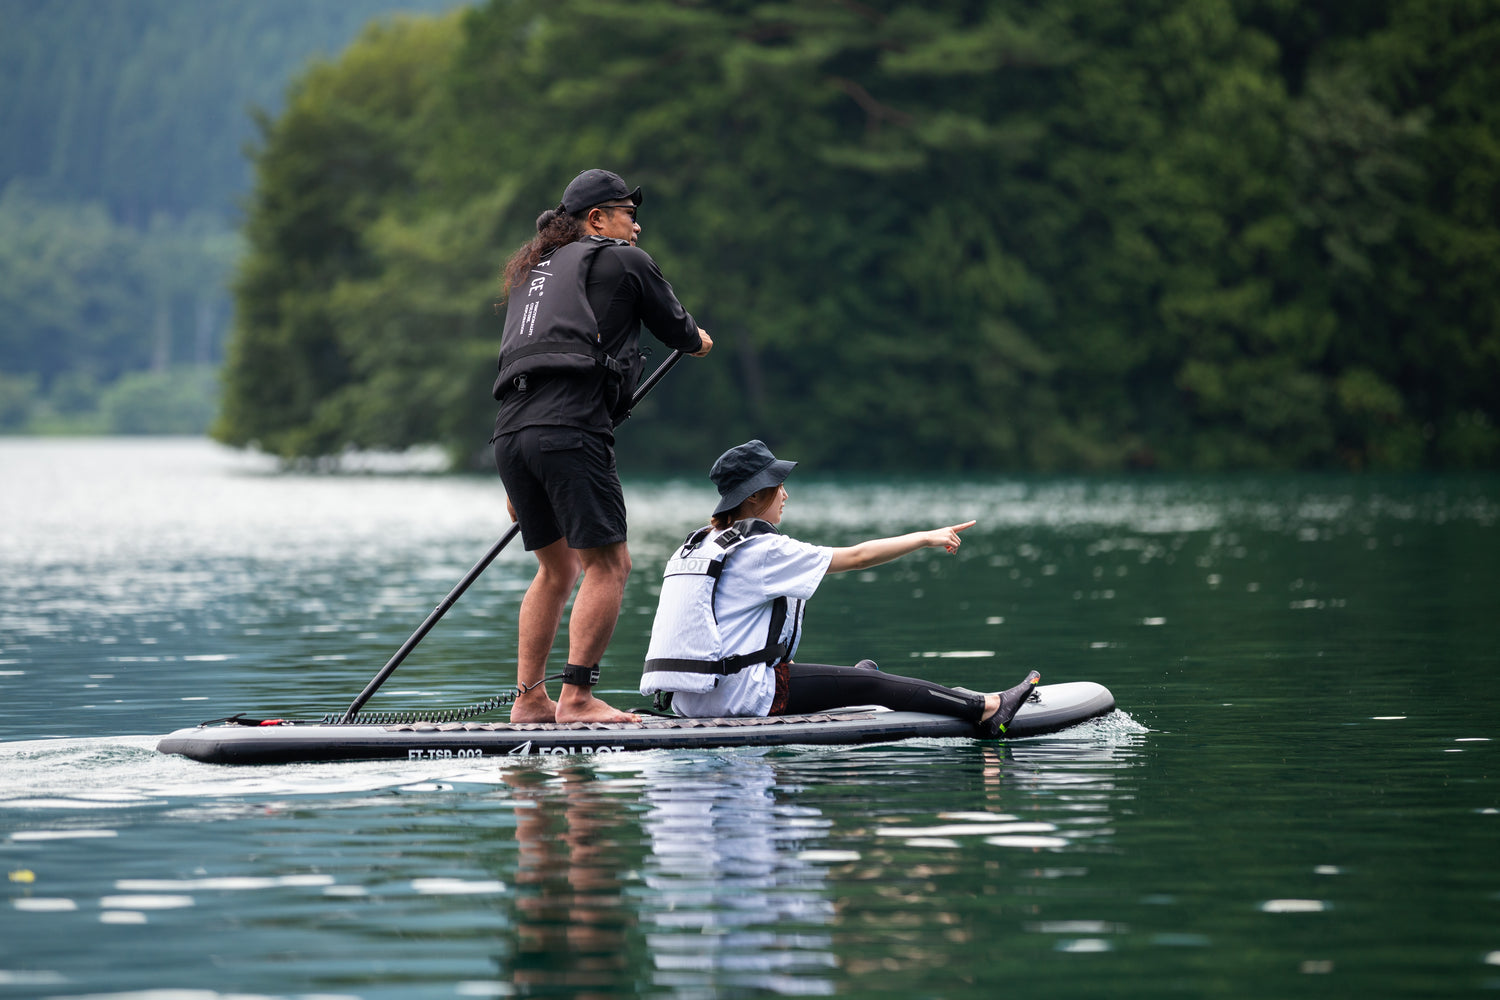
{"x": 957, "y": 235}
{"x": 122, "y": 178}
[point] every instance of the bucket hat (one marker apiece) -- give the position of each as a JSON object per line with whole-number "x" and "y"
{"x": 745, "y": 469}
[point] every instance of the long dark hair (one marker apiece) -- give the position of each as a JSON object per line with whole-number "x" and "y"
{"x": 554, "y": 228}
{"x": 727, "y": 519}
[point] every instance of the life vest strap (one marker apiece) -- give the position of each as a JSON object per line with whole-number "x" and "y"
{"x": 725, "y": 667}
{"x": 601, "y": 357}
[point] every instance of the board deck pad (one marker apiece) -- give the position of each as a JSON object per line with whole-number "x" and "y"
{"x": 1051, "y": 708}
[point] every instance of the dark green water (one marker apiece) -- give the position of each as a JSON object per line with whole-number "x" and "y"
{"x": 1298, "y": 798}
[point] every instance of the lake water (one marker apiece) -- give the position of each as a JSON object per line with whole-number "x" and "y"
{"x": 1300, "y": 794}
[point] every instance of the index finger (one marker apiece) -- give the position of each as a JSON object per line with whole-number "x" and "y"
{"x": 965, "y": 526}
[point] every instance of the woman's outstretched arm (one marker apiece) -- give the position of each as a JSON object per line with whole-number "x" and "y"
{"x": 883, "y": 550}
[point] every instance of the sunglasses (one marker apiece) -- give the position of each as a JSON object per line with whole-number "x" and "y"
{"x": 628, "y": 208}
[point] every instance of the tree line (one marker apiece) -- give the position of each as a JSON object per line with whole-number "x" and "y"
{"x": 956, "y": 235}
{"x": 121, "y": 175}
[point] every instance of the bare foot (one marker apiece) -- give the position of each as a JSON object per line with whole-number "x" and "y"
{"x": 578, "y": 704}
{"x": 534, "y": 706}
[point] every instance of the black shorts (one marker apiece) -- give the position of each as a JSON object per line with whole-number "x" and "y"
{"x": 563, "y": 483}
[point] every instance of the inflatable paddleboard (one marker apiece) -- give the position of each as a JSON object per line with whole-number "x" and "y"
{"x": 1052, "y": 707}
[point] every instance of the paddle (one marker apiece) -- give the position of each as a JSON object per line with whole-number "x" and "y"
{"x": 647, "y": 384}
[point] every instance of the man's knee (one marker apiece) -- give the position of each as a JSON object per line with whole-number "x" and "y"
{"x": 558, "y": 567}
{"x": 607, "y": 561}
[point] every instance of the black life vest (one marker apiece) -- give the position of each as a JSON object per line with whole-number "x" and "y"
{"x": 550, "y": 328}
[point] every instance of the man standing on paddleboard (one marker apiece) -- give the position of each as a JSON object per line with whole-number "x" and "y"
{"x": 577, "y": 294}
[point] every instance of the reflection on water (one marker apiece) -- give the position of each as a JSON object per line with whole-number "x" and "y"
{"x": 572, "y": 921}
{"x": 1312, "y": 811}
{"x": 664, "y": 874}
{"x": 705, "y": 874}
{"x": 737, "y": 899}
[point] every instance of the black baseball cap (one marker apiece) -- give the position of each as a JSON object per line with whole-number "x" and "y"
{"x": 595, "y": 187}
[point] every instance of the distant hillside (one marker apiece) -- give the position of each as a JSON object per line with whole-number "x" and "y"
{"x": 143, "y": 105}
{"x": 123, "y": 168}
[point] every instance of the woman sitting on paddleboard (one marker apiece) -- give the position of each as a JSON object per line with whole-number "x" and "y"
{"x": 730, "y": 614}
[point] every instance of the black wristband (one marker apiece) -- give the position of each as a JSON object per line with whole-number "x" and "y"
{"x": 582, "y": 676}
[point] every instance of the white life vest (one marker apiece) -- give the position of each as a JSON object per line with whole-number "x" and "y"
{"x": 687, "y": 650}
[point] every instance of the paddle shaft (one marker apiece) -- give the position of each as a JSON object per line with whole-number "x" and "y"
{"x": 647, "y": 384}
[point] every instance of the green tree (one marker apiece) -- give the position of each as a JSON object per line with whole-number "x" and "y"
{"x": 181, "y": 400}
{"x": 124, "y": 127}
{"x": 347, "y": 150}
{"x": 18, "y": 396}
{"x": 72, "y": 292}
{"x": 1438, "y": 341}
{"x": 961, "y": 235}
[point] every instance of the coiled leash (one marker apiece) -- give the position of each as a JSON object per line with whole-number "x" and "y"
{"x": 446, "y": 715}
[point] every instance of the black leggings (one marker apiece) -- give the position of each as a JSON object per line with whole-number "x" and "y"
{"x": 816, "y": 687}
